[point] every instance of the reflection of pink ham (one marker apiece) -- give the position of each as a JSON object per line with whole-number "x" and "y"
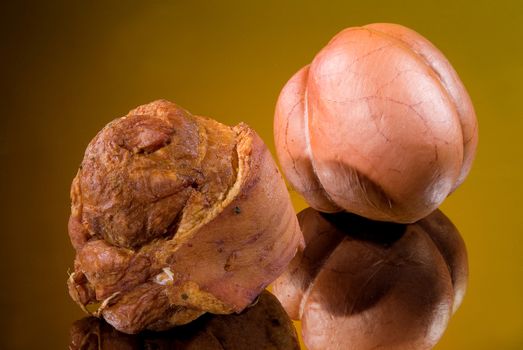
{"x": 362, "y": 284}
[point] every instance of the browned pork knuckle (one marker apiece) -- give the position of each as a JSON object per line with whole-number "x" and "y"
{"x": 174, "y": 215}
{"x": 362, "y": 285}
{"x": 379, "y": 124}
{"x": 265, "y": 325}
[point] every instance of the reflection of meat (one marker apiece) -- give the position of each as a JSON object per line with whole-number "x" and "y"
{"x": 362, "y": 284}
{"x": 379, "y": 124}
{"x": 175, "y": 215}
{"x": 262, "y": 326}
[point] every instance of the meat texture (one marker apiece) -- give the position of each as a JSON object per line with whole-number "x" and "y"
{"x": 174, "y": 215}
{"x": 379, "y": 124}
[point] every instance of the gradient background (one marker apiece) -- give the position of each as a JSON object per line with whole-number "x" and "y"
{"x": 67, "y": 70}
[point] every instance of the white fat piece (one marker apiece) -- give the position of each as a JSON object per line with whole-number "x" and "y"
{"x": 165, "y": 277}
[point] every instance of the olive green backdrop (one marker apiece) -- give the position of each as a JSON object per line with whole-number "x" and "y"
{"x": 67, "y": 70}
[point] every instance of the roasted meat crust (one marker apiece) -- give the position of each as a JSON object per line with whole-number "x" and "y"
{"x": 175, "y": 215}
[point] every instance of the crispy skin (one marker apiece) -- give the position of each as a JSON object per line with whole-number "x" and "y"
{"x": 175, "y": 215}
{"x": 265, "y": 325}
{"x": 361, "y": 284}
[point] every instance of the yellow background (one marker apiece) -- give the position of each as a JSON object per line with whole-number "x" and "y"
{"x": 67, "y": 70}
